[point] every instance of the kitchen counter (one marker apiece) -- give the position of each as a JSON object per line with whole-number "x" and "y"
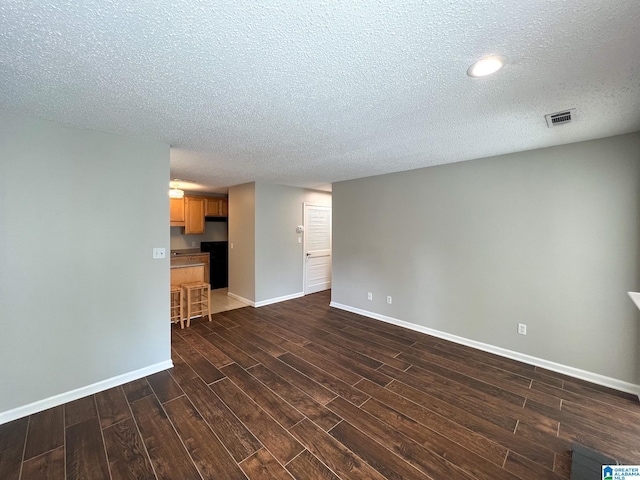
{"x": 185, "y": 252}
{"x": 190, "y": 265}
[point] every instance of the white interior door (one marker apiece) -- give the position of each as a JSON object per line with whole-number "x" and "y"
{"x": 317, "y": 248}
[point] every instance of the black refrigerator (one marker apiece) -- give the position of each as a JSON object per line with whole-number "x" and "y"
{"x": 219, "y": 266}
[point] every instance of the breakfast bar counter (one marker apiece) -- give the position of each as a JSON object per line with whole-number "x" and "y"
{"x": 190, "y": 266}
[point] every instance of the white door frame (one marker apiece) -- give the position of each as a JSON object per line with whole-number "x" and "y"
{"x": 304, "y": 242}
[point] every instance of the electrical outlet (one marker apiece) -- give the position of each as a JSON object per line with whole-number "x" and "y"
{"x": 159, "y": 253}
{"x": 193, "y": 244}
{"x": 369, "y": 296}
{"x": 522, "y": 329}
{"x": 389, "y": 299}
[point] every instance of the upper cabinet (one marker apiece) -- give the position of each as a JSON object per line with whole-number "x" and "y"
{"x": 189, "y": 212}
{"x": 177, "y": 212}
{"x": 216, "y": 207}
{"x": 194, "y": 215}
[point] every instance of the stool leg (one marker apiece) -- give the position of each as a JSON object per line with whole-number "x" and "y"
{"x": 207, "y": 292}
{"x": 180, "y": 309}
{"x": 189, "y": 299}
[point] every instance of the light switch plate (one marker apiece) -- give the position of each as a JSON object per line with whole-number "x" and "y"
{"x": 159, "y": 253}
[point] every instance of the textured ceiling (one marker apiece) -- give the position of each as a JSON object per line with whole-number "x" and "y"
{"x": 307, "y": 92}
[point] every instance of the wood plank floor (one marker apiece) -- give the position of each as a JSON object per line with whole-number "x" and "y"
{"x": 301, "y": 390}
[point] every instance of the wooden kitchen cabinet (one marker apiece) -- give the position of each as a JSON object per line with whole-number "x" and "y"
{"x": 189, "y": 212}
{"x": 194, "y": 215}
{"x": 216, "y": 207}
{"x": 212, "y": 207}
{"x": 176, "y": 214}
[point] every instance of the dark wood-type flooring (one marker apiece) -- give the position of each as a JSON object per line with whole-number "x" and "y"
{"x": 301, "y": 390}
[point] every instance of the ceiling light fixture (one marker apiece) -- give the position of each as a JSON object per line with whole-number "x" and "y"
{"x": 175, "y": 192}
{"x": 486, "y": 66}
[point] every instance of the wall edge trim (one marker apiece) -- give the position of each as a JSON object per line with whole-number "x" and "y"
{"x": 250, "y": 303}
{"x": 284, "y": 298}
{"x": 596, "y": 378}
{"x": 59, "y": 399}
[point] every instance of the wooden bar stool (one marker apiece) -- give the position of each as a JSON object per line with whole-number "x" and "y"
{"x": 196, "y": 297}
{"x": 177, "y": 305}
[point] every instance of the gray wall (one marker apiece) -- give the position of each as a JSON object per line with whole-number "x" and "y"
{"x": 213, "y": 232}
{"x": 549, "y": 238}
{"x": 79, "y": 304}
{"x": 266, "y": 261}
{"x": 279, "y": 263}
{"x": 242, "y": 234}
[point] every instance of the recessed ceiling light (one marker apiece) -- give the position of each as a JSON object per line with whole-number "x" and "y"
{"x": 486, "y": 66}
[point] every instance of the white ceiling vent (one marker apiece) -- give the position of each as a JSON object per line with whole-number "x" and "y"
{"x": 560, "y": 118}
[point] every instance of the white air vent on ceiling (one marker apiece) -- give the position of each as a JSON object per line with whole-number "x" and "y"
{"x": 560, "y": 118}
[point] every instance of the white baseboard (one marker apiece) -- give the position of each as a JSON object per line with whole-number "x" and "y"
{"x": 71, "y": 395}
{"x": 241, "y": 299}
{"x": 503, "y": 352}
{"x": 269, "y": 301}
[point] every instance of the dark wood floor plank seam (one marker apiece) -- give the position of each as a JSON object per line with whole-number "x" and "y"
{"x": 85, "y": 454}
{"x": 104, "y": 443}
{"x": 376, "y": 455}
{"x": 454, "y": 398}
{"x": 126, "y": 452}
{"x": 264, "y": 466}
{"x": 46, "y": 431}
{"x": 517, "y": 385}
{"x": 313, "y": 389}
{"x": 497, "y": 410}
{"x": 50, "y": 465}
{"x": 474, "y": 423}
{"x": 268, "y": 400}
{"x": 502, "y": 363}
{"x": 397, "y": 342}
{"x": 144, "y": 446}
{"x": 310, "y": 408}
{"x": 587, "y": 426}
{"x": 282, "y": 332}
{"x": 213, "y": 354}
{"x": 333, "y": 454}
{"x": 633, "y": 410}
{"x": 13, "y": 441}
{"x": 24, "y": 449}
{"x": 271, "y": 434}
{"x": 447, "y": 357}
{"x": 235, "y": 353}
{"x": 160, "y": 435}
{"x": 416, "y": 453}
{"x": 324, "y": 378}
{"x": 405, "y": 408}
{"x": 185, "y": 424}
{"x": 362, "y": 370}
{"x": 325, "y": 363}
{"x": 217, "y": 414}
{"x": 499, "y": 392}
{"x": 307, "y": 467}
